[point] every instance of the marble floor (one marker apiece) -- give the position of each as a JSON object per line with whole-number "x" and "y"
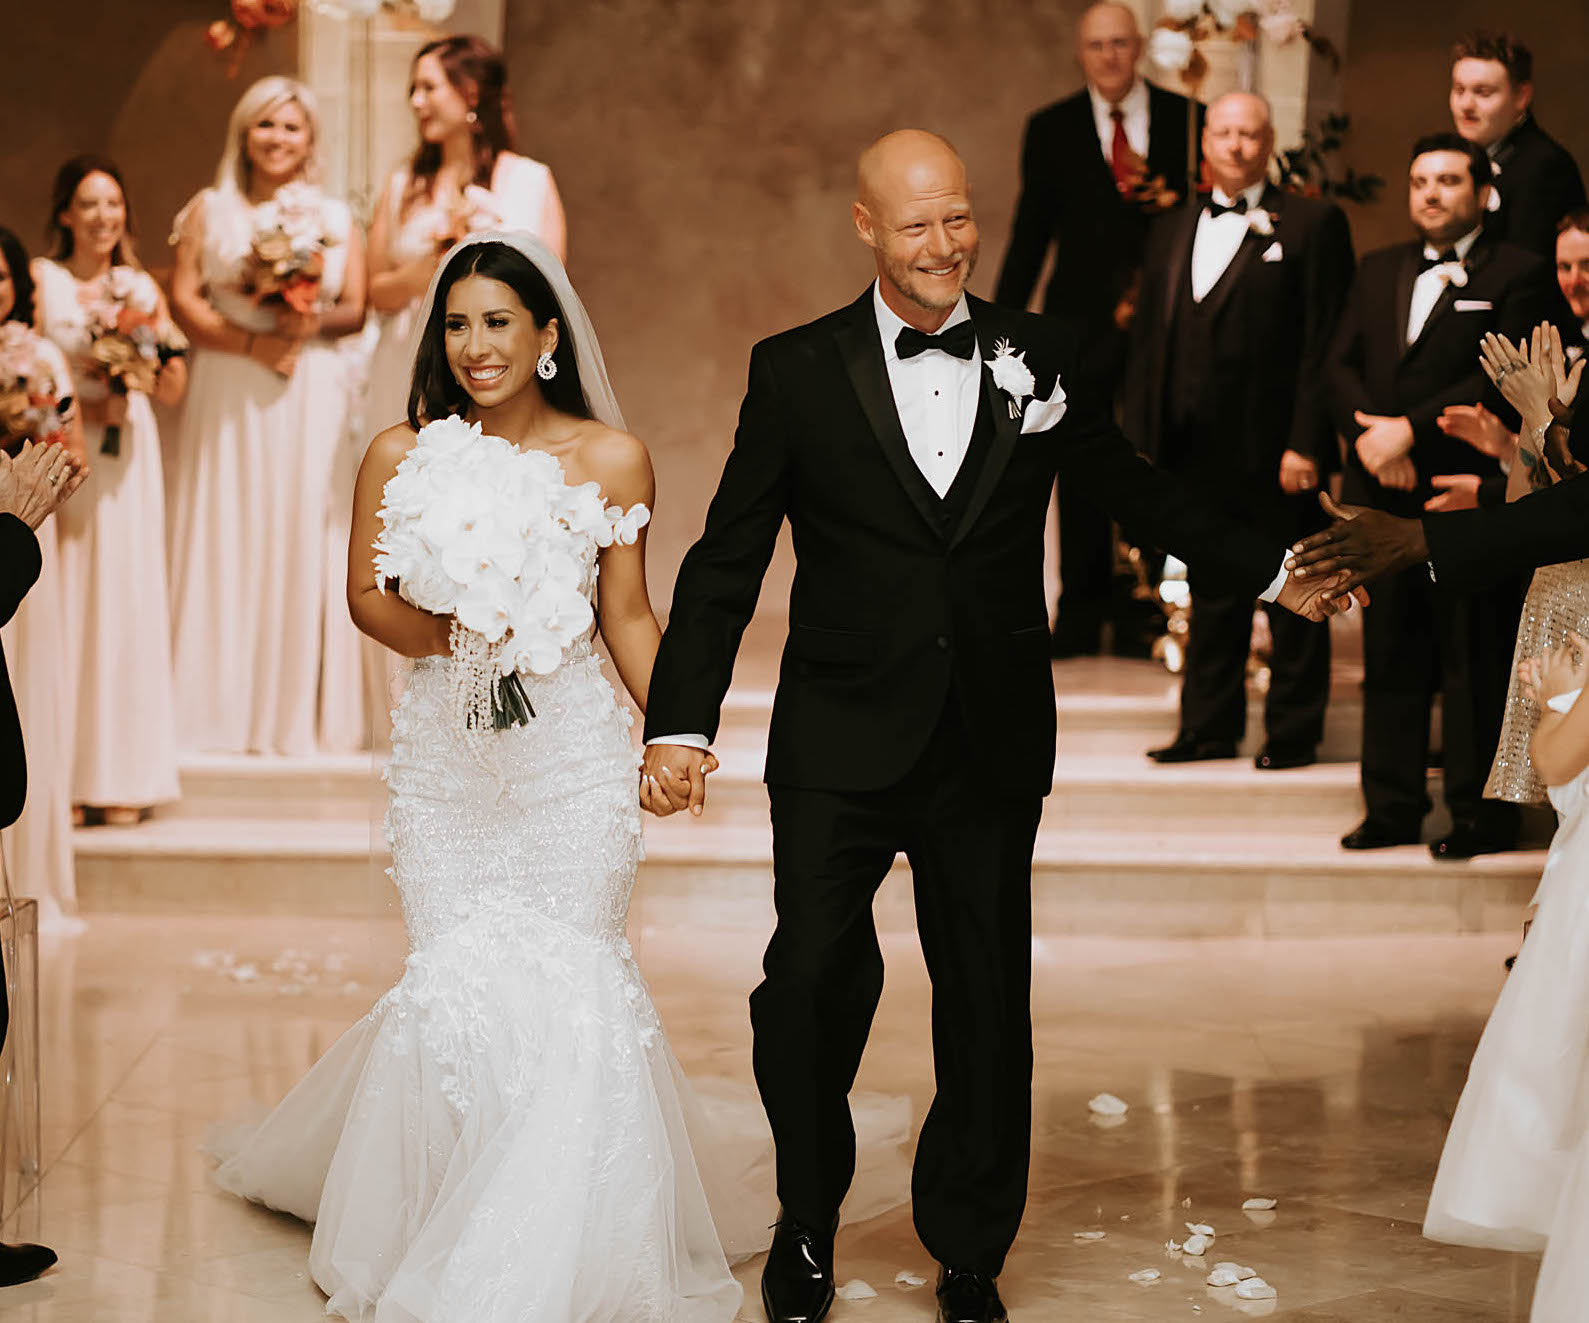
{"x": 1320, "y": 1073}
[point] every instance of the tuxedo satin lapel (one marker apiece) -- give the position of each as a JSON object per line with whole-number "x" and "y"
{"x": 991, "y": 327}
{"x": 1180, "y": 259}
{"x": 1405, "y": 276}
{"x": 862, "y": 352}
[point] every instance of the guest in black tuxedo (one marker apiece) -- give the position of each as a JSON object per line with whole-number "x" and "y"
{"x": 1407, "y": 348}
{"x": 1535, "y": 180}
{"x": 911, "y": 440}
{"x": 1239, "y": 299}
{"x": 1095, "y": 168}
{"x": 32, "y": 486}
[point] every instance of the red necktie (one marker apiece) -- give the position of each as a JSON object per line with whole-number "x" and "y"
{"x": 1120, "y": 152}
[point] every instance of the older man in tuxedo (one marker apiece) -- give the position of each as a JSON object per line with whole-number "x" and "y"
{"x": 1407, "y": 349}
{"x": 1535, "y": 181}
{"x": 1239, "y": 299}
{"x": 1095, "y": 168}
{"x": 911, "y": 440}
{"x": 32, "y": 486}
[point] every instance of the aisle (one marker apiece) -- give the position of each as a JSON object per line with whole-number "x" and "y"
{"x": 1319, "y": 1073}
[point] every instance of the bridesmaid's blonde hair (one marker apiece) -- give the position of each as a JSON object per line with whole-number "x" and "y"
{"x": 257, "y": 102}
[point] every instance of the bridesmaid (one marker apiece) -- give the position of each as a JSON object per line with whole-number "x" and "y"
{"x": 39, "y": 847}
{"x": 266, "y": 413}
{"x": 113, "y": 553}
{"x": 464, "y": 175}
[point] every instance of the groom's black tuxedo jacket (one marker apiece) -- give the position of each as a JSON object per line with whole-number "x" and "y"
{"x": 1373, "y": 369}
{"x": 899, "y": 595}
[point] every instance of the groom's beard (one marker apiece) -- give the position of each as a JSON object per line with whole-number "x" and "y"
{"x": 931, "y": 294}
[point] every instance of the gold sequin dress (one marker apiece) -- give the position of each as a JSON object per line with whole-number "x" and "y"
{"x": 1558, "y": 600}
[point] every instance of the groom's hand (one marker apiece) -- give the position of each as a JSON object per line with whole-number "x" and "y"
{"x": 1319, "y": 598}
{"x": 673, "y": 777}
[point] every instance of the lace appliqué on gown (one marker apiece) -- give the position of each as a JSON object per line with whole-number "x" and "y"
{"x": 503, "y": 1138}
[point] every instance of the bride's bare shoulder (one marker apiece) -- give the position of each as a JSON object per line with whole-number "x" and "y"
{"x": 618, "y": 460}
{"x": 389, "y": 446}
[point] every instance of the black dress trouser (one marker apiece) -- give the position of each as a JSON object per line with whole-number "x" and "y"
{"x": 1419, "y": 638}
{"x": 970, "y": 852}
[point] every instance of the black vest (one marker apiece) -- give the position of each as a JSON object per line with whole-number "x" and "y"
{"x": 1191, "y": 356}
{"x": 952, "y": 504}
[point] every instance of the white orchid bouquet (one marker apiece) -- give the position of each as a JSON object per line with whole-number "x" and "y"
{"x": 475, "y": 528}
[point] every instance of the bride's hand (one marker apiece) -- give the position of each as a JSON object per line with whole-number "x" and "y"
{"x": 1522, "y": 373}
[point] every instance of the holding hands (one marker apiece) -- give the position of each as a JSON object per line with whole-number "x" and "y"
{"x": 1385, "y": 446}
{"x": 673, "y": 777}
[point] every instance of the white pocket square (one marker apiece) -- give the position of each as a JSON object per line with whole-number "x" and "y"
{"x": 1040, "y": 415}
{"x": 1473, "y": 305}
{"x": 1274, "y": 252}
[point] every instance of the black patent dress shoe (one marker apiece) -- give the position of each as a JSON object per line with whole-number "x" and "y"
{"x": 1371, "y": 835}
{"x": 797, "y": 1283}
{"x": 1465, "y": 841}
{"x": 1190, "y": 749}
{"x": 968, "y": 1297}
{"x": 22, "y": 1263}
{"x": 1278, "y": 760}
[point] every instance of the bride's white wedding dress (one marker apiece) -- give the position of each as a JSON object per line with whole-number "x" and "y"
{"x": 503, "y": 1138}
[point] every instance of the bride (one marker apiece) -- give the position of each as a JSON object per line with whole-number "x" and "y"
{"x": 505, "y": 1135}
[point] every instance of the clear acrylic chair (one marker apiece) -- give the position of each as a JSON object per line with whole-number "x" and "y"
{"x": 20, "y": 1132}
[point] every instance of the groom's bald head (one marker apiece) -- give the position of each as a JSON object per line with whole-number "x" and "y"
{"x": 913, "y": 209}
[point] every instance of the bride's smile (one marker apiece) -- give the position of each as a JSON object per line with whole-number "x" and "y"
{"x": 492, "y": 342}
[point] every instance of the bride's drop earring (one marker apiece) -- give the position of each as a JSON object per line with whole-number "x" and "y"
{"x": 545, "y": 369}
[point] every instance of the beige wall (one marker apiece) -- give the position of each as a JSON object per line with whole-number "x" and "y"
{"x": 706, "y": 152}
{"x": 134, "y": 81}
{"x": 1398, "y": 72}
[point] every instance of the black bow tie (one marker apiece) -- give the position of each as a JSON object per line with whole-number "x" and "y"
{"x": 1239, "y": 206}
{"x": 1449, "y": 255}
{"x": 959, "y": 340}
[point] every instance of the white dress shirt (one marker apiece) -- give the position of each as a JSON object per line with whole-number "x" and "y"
{"x": 1218, "y": 237}
{"x": 935, "y": 395}
{"x": 1431, "y": 283}
{"x": 1133, "y": 111}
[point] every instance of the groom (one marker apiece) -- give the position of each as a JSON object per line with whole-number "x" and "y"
{"x": 911, "y": 440}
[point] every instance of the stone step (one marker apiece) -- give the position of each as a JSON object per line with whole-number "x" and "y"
{"x": 1146, "y": 881}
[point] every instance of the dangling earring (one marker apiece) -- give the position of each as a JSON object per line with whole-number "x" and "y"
{"x": 545, "y": 368}
{"x": 472, "y": 117}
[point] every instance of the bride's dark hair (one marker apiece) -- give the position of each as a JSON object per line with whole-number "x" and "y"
{"x": 435, "y": 391}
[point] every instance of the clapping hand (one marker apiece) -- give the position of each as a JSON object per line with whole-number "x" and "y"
{"x": 35, "y": 484}
{"x": 1557, "y": 671}
{"x": 1531, "y": 376}
{"x": 1480, "y": 428}
{"x": 1457, "y": 491}
{"x": 673, "y": 777}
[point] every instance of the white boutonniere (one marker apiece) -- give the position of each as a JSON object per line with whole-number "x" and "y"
{"x": 1261, "y": 222}
{"x": 1453, "y": 273}
{"x": 1011, "y": 375}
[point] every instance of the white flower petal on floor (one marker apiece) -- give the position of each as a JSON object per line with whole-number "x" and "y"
{"x": 1258, "y": 1205}
{"x": 1255, "y": 1288}
{"x": 1090, "y": 1235}
{"x": 1106, "y": 1104}
{"x": 1201, "y": 1229}
{"x": 906, "y": 1279}
{"x": 1145, "y": 1277}
{"x": 1196, "y": 1245}
{"x": 855, "y": 1289}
